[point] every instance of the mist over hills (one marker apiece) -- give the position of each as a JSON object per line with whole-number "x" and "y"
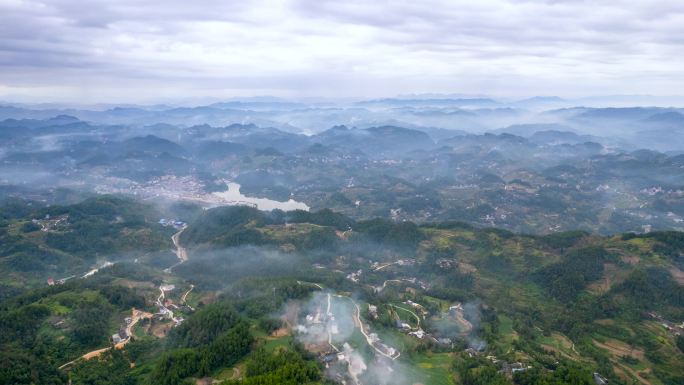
{"x": 422, "y": 239}
{"x": 316, "y": 192}
{"x": 491, "y": 162}
{"x": 633, "y": 127}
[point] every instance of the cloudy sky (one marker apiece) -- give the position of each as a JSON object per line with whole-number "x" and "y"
{"x": 148, "y": 51}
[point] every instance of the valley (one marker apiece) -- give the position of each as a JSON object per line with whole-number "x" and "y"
{"x": 411, "y": 295}
{"x": 374, "y": 254}
{"x": 316, "y": 192}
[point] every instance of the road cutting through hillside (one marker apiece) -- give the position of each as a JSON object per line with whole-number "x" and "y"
{"x": 136, "y": 315}
{"x": 180, "y": 251}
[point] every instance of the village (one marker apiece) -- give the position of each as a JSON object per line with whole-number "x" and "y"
{"x": 169, "y": 313}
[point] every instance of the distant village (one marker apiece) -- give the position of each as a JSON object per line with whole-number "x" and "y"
{"x": 177, "y": 224}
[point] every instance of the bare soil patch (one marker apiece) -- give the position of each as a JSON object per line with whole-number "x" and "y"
{"x": 134, "y": 284}
{"x": 677, "y": 275}
{"x": 632, "y": 260}
{"x": 466, "y": 268}
{"x": 160, "y": 330}
{"x": 282, "y": 332}
{"x": 620, "y": 349}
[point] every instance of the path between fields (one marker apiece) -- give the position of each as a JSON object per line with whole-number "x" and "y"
{"x": 410, "y": 311}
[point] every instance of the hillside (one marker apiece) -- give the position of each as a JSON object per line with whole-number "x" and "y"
{"x": 38, "y": 242}
{"x": 446, "y": 300}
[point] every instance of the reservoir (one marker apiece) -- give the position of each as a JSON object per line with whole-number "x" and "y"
{"x": 234, "y": 196}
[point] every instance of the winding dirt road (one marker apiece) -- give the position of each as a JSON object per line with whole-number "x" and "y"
{"x": 180, "y": 251}
{"x": 356, "y": 316}
{"x": 136, "y": 315}
{"x": 185, "y": 297}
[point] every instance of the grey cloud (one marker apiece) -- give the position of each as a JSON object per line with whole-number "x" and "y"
{"x": 357, "y": 48}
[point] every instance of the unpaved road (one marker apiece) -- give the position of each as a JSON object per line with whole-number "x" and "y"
{"x": 185, "y": 297}
{"x": 356, "y": 316}
{"x": 410, "y": 311}
{"x": 180, "y": 251}
{"x": 136, "y": 315}
{"x": 328, "y": 314}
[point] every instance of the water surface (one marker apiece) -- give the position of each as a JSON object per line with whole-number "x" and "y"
{"x": 234, "y": 196}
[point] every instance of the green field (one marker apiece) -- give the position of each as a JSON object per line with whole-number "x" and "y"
{"x": 432, "y": 369}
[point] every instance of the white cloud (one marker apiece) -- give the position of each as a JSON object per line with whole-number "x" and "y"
{"x": 131, "y": 50}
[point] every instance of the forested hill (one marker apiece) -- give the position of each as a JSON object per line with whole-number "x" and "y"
{"x": 584, "y": 287}
{"x": 563, "y": 305}
{"x": 38, "y": 241}
{"x": 569, "y": 267}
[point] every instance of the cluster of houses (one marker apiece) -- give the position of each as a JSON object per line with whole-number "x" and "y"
{"x": 423, "y": 335}
{"x": 169, "y": 186}
{"x": 507, "y": 368}
{"x": 675, "y": 329}
{"x": 47, "y": 224}
{"x": 172, "y": 222}
{"x": 322, "y": 326}
{"x": 418, "y": 307}
{"x": 51, "y": 281}
{"x": 355, "y": 276}
{"x": 455, "y": 310}
{"x": 446, "y": 263}
{"x": 352, "y": 366}
{"x": 510, "y": 368}
{"x": 319, "y": 327}
{"x": 314, "y": 318}
{"x": 122, "y": 335}
{"x": 164, "y": 312}
{"x": 375, "y": 266}
{"x": 382, "y": 347}
{"x": 373, "y": 311}
{"x": 165, "y": 305}
{"x": 651, "y": 191}
{"x": 416, "y": 332}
